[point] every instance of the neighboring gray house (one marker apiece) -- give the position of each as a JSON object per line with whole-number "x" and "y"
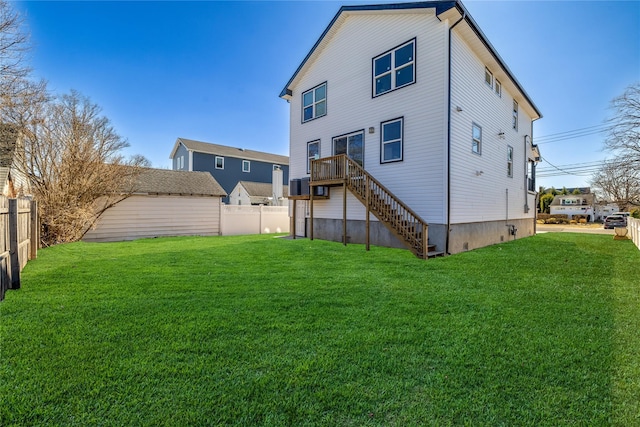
{"x": 165, "y": 203}
{"x": 257, "y": 193}
{"x": 228, "y": 165}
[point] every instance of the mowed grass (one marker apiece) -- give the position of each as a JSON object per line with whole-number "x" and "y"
{"x": 257, "y": 330}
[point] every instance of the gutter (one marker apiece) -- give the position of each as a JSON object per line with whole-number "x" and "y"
{"x": 464, "y": 14}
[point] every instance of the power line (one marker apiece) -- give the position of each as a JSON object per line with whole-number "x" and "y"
{"x": 572, "y": 134}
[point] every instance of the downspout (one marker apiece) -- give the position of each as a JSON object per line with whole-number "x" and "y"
{"x": 464, "y": 14}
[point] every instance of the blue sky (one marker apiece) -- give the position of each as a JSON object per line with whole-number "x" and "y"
{"x": 212, "y": 71}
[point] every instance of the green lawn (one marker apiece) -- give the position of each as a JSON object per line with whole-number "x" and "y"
{"x": 257, "y": 330}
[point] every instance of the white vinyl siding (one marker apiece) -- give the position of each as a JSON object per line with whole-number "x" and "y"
{"x": 480, "y": 188}
{"x": 153, "y": 216}
{"x": 420, "y": 179}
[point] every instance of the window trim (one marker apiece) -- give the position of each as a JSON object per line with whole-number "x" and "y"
{"x": 215, "y": 162}
{"x": 248, "y": 163}
{"x": 382, "y": 142}
{"x": 315, "y": 141}
{"x": 393, "y": 68}
{"x": 509, "y": 161}
{"x": 347, "y": 135}
{"x": 515, "y": 115}
{"x": 473, "y": 139}
{"x": 314, "y": 103}
{"x": 498, "y": 88}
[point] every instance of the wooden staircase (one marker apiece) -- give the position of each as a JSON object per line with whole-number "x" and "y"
{"x": 391, "y": 211}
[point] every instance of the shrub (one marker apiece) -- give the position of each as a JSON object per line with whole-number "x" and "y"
{"x": 583, "y": 220}
{"x": 551, "y": 221}
{"x": 573, "y": 221}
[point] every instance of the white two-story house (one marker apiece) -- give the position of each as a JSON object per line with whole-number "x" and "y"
{"x": 407, "y": 127}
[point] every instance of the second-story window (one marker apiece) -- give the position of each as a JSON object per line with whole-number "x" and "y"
{"x": 314, "y": 103}
{"x": 515, "y": 115}
{"x": 498, "y": 88}
{"x": 219, "y": 162}
{"x": 476, "y": 137}
{"x": 509, "y": 161}
{"x": 395, "y": 68}
{"x": 246, "y": 166}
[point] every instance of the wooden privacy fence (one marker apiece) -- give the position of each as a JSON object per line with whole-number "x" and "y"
{"x": 19, "y": 239}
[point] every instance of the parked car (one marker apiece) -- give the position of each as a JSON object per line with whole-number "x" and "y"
{"x": 615, "y": 220}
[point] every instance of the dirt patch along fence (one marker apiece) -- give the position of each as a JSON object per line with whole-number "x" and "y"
{"x": 634, "y": 230}
{"x": 19, "y": 239}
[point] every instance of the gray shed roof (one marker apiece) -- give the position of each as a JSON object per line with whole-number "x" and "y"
{"x": 262, "y": 189}
{"x": 164, "y": 181}
{"x": 226, "y": 151}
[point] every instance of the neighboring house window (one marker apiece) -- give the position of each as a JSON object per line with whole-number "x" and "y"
{"x": 395, "y": 68}
{"x": 488, "y": 77}
{"x": 314, "y": 103}
{"x": 246, "y": 166}
{"x": 498, "y": 88}
{"x": 391, "y": 140}
{"x": 219, "y": 162}
{"x": 509, "y": 161}
{"x": 352, "y": 145}
{"x": 515, "y": 115}
{"x": 476, "y": 134}
{"x": 313, "y": 152}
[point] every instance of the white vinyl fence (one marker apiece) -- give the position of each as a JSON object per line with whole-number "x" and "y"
{"x": 634, "y": 230}
{"x": 246, "y": 219}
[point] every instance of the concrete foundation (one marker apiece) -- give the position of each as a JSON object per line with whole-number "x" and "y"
{"x": 463, "y": 237}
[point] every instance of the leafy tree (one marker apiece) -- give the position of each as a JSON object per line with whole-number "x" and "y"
{"x": 564, "y": 191}
{"x": 545, "y": 202}
{"x": 576, "y": 191}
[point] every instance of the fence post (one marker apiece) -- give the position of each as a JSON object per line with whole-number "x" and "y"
{"x": 34, "y": 242}
{"x": 260, "y": 221}
{"x": 14, "y": 262}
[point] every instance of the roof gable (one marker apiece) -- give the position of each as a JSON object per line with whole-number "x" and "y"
{"x": 227, "y": 151}
{"x": 444, "y": 9}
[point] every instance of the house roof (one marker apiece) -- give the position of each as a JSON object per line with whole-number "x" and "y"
{"x": 8, "y": 142}
{"x": 226, "y": 151}
{"x": 164, "y": 181}
{"x": 442, "y": 9}
{"x": 262, "y": 189}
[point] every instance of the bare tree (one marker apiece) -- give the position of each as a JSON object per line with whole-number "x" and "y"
{"x": 72, "y": 158}
{"x": 624, "y": 134}
{"x": 618, "y": 182}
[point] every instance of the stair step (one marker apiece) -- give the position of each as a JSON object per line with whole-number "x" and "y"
{"x": 433, "y": 254}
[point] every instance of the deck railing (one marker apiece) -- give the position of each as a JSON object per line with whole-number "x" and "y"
{"x": 390, "y": 210}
